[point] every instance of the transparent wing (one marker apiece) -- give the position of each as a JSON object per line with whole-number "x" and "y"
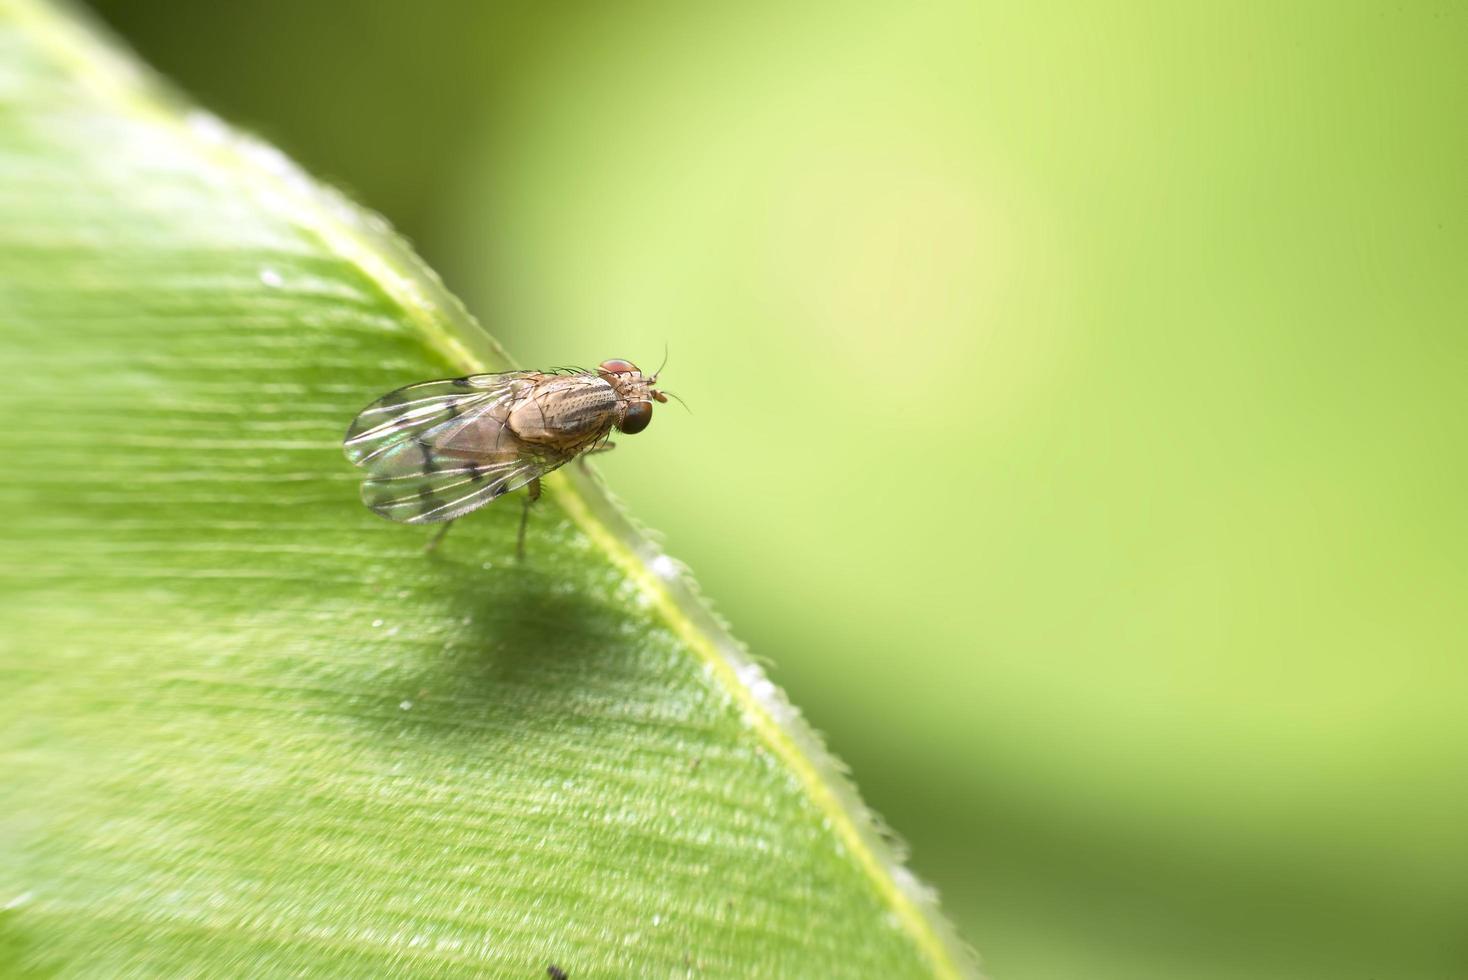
{"x": 437, "y": 450}
{"x": 403, "y": 490}
{"x": 418, "y": 411}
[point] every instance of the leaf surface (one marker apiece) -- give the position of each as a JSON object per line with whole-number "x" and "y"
{"x": 251, "y": 728}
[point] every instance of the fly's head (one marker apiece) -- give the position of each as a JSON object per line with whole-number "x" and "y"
{"x": 635, "y": 390}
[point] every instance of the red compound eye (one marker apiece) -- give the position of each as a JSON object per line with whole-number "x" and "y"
{"x": 618, "y": 366}
{"x": 639, "y": 414}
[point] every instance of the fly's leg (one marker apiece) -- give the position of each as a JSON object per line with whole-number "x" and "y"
{"x": 531, "y": 497}
{"x": 432, "y": 544}
{"x": 603, "y": 448}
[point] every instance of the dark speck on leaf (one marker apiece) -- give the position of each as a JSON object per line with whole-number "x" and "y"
{"x": 555, "y": 972}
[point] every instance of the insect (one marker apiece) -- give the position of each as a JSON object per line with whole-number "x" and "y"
{"x": 437, "y": 450}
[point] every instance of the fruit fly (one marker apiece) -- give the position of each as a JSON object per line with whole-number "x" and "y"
{"x": 437, "y": 450}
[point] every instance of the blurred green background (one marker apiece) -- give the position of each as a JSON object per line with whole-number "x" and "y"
{"x": 1078, "y": 408}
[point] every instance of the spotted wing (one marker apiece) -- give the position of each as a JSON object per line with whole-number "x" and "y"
{"x": 437, "y": 450}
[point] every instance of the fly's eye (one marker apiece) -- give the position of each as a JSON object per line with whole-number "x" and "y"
{"x": 637, "y": 417}
{"x": 617, "y": 366}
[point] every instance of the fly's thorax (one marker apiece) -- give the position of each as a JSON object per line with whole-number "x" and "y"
{"x": 566, "y": 411}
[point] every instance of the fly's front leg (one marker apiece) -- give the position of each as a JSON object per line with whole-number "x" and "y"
{"x": 432, "y": 544}
{"x": 531, "y": 496}
{"x": 603, "y": 448}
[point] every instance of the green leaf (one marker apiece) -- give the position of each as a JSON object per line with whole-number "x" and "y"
{"x": 251, "y": 728}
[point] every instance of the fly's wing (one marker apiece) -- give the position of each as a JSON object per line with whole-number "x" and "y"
{"x": 423, "y": 410}
{"x": 412, "y": 494}
{"x": 437, "y": 450}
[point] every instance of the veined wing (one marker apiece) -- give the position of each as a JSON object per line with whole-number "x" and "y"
{"x": 437, "y": 450}
{"x": 418, "y": 411}
{"x": 402, "y": 490}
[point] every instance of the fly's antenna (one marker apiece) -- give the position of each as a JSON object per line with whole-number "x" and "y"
{"x": 677, "y": 399}
{"x": 662, "y": 365}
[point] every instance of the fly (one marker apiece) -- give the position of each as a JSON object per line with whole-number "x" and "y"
{"x": 437, "y": 450}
